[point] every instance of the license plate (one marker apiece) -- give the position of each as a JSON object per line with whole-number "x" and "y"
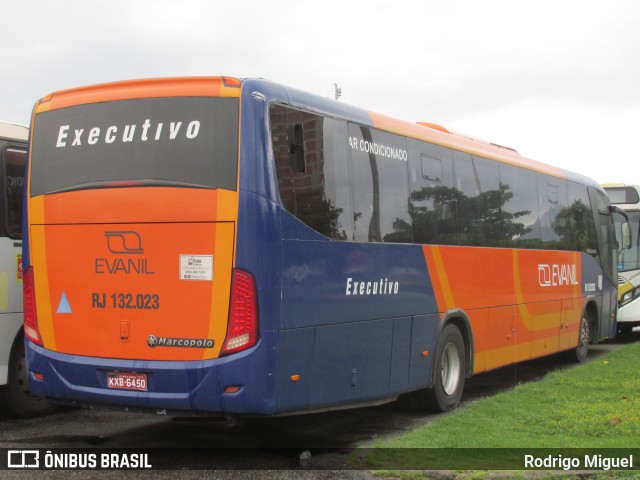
{"x": 127, "y": 381}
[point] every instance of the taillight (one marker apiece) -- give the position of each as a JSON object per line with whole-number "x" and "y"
{"x": 30, "y": 317}
{"x": 242, "y": 331}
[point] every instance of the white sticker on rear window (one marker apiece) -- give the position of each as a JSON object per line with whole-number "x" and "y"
{"x": 196, "y": 267}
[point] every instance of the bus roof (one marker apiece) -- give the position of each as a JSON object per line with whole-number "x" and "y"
{"x": 13, "y": 131}
{"x": 228, "y": 86}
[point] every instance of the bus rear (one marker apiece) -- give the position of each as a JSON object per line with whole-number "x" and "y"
{"x": 130, "y": 289}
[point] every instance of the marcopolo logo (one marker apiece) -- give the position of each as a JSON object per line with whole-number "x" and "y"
{"x": 153, "y": 341}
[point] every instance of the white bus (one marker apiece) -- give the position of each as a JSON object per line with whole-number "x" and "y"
{"x": 15, "y": 396}
{"x": 627, "y": 198}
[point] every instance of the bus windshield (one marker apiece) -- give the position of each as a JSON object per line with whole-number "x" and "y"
{"x": 189, "y": 141}
{"x": 14, "y": 162}
{"x": 629, "y": 259}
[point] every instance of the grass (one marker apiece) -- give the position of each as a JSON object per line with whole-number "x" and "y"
{"x": 592, "y": 406}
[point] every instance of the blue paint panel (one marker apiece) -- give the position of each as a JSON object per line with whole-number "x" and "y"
{"x": 329, "y": 282}
{"x": 183, "y": 386}
{"x": 400, "y": 355}
{"x": 295, "y": 357}
{"x": 352, "y": 362}
{"x": 597, "y": 285}
{"x": 423, "y": 339}
{"x": 258, "y": 252}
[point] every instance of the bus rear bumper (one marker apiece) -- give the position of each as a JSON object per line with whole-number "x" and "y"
{"x": 197, "y": 386}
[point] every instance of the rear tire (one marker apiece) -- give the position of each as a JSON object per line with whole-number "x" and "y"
{"x": 16, "y": 395}
{"x": 448, "y": 372}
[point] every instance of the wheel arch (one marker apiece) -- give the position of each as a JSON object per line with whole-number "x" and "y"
{"x": 459, "y": 318}
{"x": 593, "y": 316}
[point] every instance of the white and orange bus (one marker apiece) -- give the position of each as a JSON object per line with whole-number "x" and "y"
{"x": 244, "y": 248}
{"x": 627, "y": 198}
{"x": 15, "y": 396}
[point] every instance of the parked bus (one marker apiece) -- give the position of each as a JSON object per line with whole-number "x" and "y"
{"x": 15, "y": 397}
{"x": 244, "y": 248}
{"x": 627, "y": 197}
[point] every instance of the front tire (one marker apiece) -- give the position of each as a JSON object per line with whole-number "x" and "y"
{"x": 580, "y": 353}
{"x": 448, "y": 371}
{"x": 16, "y": 395}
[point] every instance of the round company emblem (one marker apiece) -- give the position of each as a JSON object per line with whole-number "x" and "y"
{"x": 152, "y": 341}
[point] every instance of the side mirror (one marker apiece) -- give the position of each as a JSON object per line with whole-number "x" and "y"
{"x": 626, "y": 236}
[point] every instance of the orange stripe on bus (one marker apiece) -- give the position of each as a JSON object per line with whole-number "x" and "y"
{"x": 461, "y": 143}
{"x": 167, "y": 87}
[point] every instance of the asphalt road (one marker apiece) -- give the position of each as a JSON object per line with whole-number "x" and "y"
{"x": 272, "y": 446}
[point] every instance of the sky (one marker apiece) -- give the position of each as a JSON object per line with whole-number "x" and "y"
{"x": 558, "y": 80}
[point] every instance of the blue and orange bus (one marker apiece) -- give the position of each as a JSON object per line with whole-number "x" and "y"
{"x": 243, "y": 248}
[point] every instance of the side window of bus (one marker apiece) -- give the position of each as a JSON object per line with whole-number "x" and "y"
{"x": 582, "y": 228}
{"x": 380, "y": 187}
{"x": 555, "y": 225}
{"x": 522, "y": 206}
{"x": 607, "y": 236}
{"x": 311, "y": 158}
{"x": 432, "y": 200}
{"x": 478, "y": 201}
{"x": 13, "y": 165}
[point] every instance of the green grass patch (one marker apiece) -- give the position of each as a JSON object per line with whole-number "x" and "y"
{"x": 591, "y": 406}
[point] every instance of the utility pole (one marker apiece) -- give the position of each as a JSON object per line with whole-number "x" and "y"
{"x": 337, "y": 91}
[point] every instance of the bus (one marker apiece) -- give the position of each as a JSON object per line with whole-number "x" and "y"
{"x": 627, "y": 197}
{"x": 15, "y": 397}
{"x": 239, "y": 247}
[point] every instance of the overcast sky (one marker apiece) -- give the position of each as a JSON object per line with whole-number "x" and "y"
{"x": 558, "y": 80}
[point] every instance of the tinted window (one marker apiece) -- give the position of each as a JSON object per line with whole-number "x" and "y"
{"x": 183, "y": 140}
{"x": 13, "y": 164}
{"x": 552, "y": 200}
{"x": 311, "y": 156}
{"x": 380, "y": 187}
{"x": 581, "y": 229}
{"x": 605, "y": 232}
{"x": 524, "y": 207}
{"x": 478, "y": 195}
{"x": 432, "y": 205}
{"x": 360, "y": 184}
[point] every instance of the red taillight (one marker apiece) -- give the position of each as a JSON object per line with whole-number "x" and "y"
{"x": 30, "y": 317}
{"x": 242, "y": 331}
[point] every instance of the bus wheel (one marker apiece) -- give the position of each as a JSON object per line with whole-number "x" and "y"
{"x": 581, "y": 351}
{"x": 17, "y": 395}
{"x": 448, "y": 371}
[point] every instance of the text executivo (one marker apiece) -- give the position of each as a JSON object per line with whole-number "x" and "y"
{"x": 125, "y": 133}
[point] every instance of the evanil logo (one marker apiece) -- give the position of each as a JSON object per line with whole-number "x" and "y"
{"x": 554, "y": 275}
{"x": 147, "y": 131}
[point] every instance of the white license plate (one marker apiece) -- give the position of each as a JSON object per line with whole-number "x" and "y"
{"x": 127, "y": 381}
